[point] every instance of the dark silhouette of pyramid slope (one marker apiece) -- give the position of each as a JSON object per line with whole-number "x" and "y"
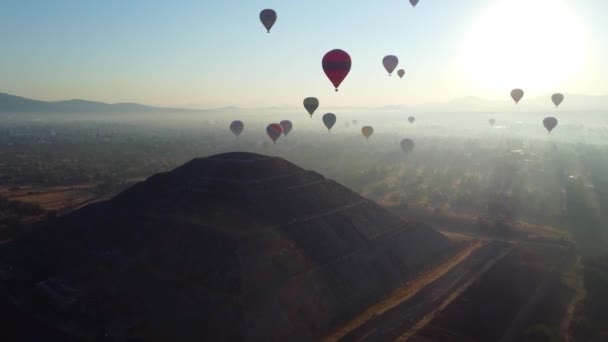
{"x": 237, "y": 246}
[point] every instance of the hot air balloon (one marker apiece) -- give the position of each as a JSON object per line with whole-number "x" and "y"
{"x": 274, "y": 131}
{"x": 287, "y": 126}
{"x": 401, "y": 73}
{"x": 336, "y": 65}
{"x": 414, "y": 2}
{"x": 237, "y": 127}
{"x": 550, "y": 123}
{"x": 557, "y": 99}
{"x": 329, "y": 120}
{"x": 516, "y": 95}
{"x": 492, "y": 122}
{"x": 367, "y": 131}
{"x": 311, "y": 104}
{"x": 268, "y": 17}
{"x": 411, "y": 119}
{"x": 390, "y": 62}
{"x": 407, "y": 145}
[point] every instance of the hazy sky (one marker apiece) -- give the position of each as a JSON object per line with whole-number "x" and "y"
{"x": 210, "y": 53}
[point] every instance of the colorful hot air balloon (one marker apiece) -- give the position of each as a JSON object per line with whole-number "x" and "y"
{"x": 411, "y": 119}
{"x": 274, "y": 131}
{"x": 237, "y": 127}
{"x": 311, "y": 104}
{"x": 367, "y": 131}
{"x": 390, "y": 62}
{"x": 516, "y": 95}
{"x": 407, "y": 145}
{"x": 268, "y": 17}
{"x": 557, "y": 99}
{"x": 401, "y": 73}
{"x": 550, "y": 123}
{"x": 287, "y": 126}
{"x": 414, "y": 2}
{"x": 329, "y": 120}
{"x": 492, "y": 122}
{"x": 336, "y": 65}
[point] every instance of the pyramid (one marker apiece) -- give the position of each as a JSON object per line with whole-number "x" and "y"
{"x": 237, "y": 246}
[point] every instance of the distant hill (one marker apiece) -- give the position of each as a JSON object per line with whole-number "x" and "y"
{"x": 16, "y": 104}
{"x": 234, "y": 247}
{"x": 572, "y": 102}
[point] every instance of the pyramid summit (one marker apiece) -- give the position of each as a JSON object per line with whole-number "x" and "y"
{"x": 237, "y": 246}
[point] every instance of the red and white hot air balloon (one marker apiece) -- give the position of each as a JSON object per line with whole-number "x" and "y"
{"x": 274, "y": 131}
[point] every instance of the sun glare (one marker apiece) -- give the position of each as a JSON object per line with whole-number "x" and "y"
{"x": 531, "y": 44}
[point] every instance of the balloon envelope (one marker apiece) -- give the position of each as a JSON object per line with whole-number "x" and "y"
{"x": 414, "y": 2}
{"x": 286, "y": 125}
{"x": 401, "y": 73}
{"x": 407, "y": 145}
{"x": 237, "y": 127}
{"x": 390, "y": 62}
{"x": 411, "y": 119}
{"x": 367, "y": 131}
{"x": 557, "y": 99}
{"x": 268, "y": 17}
{"x": 336, "y": 65}
{"x": 329, "y": 120}
{"x": 311, "y": 104}
{"x": 274, "y": 131}
{"x": 550, "y": 123}
{"x": 492, "y": 122}
{"x": 517, "y": 94}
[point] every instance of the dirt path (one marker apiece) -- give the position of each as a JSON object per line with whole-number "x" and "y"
{"x": 404, "y": 293}
{"x": 455, "y": 294}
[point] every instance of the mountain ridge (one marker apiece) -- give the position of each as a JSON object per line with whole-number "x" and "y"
{"x": 18, "y": 104}
{"x": 573, "y": 102}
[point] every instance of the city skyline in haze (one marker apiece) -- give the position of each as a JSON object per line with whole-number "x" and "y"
{"x": 216, "y": 53}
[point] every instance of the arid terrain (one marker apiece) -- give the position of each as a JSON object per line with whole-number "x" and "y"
{"x": 502, "y": 215}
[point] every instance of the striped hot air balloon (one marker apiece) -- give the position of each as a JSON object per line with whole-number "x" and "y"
{"x": 274, "y": 131}
{"x": 336, "y": 65}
